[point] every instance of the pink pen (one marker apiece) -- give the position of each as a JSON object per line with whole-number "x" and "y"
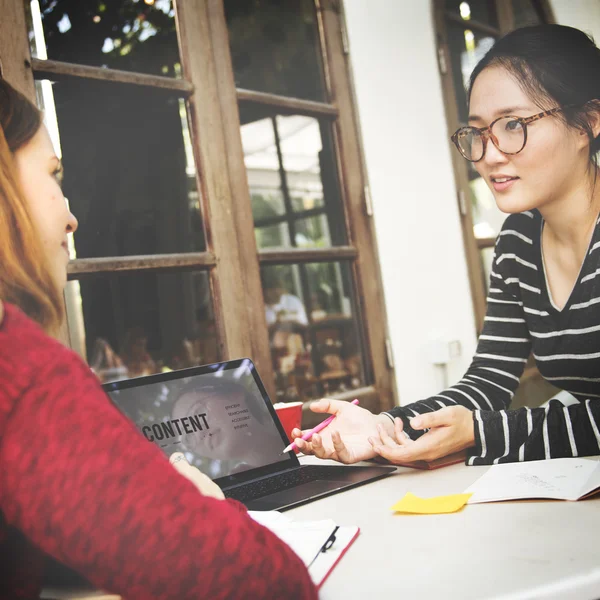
{"x": 318, "y": 428}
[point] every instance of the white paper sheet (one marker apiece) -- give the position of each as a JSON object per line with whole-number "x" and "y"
{"x": 305, "y": 538}
{"x": 559, "y": 479}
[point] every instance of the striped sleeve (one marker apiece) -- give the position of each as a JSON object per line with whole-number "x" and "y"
{"x": 502, "y": 351}
{"x": 519, "y": 435}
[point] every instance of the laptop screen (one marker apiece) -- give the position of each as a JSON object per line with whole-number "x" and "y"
{"x": 216, "y": 415}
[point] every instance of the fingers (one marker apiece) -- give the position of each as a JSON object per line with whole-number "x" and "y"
{"x": 177, "y": 458}
{"x": 203, "y": 484}
{"x": 401, "y": 435}
{"x": 404, "y": 453}
{"x": 319, "y": 449}
{"x": 385, "y": 439}
{"x": 304, "y": 446}
{"x": 340, "y": 450}
{"x": 325, "y": 405}
{"x": 314, "y": 447}
{"x": 439, "y": 418}
{"x": 398, "y": 455}
{"x": 181, "y": 464}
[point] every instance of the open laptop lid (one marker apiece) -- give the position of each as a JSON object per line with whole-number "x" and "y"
{"x": 218, "y": 415}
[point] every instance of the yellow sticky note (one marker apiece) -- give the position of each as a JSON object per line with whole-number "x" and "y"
{"x": 431, "y": 506}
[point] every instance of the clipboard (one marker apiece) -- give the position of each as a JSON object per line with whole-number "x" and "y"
{"x": 329, "y": 540}
{"x": 336, "y": 546}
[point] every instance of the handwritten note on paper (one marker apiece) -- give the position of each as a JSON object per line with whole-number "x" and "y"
{"x": 558, "y": 479}
{"x": 430, "y": 506}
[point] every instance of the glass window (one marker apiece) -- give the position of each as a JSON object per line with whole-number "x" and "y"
{"x": 130, "y": 35}
{"x": 129, "y": 170}
{"x": 293, "y": 181}
{"x": 482, "y": 11}
{"x": 487, "y": 257}
{"x": 313, "y": 329}
{"x": 466, "y": 48}
{"x": 275, "y": 47}
{"x": 526, "y": 13}
{"x": 132, "y": 324}
{"x": 487, "y": 217}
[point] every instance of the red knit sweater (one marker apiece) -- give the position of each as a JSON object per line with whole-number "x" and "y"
{"x": 78, "y": 482}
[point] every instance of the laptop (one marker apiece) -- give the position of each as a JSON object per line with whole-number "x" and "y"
{"x": 222, "y": 419}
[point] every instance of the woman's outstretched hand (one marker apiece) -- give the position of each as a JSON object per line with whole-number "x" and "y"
{"x": 346, "y": 438}
{"x": 451, "y": 429}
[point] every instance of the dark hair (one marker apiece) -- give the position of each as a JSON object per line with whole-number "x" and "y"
{"x": 554, "y": 64}
{"x": 25, "y": 278}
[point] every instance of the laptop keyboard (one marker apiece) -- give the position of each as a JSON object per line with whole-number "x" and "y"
{"x": 277, "y": 483}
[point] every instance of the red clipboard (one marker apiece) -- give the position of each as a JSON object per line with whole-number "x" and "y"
{"x": 327, "y": 560}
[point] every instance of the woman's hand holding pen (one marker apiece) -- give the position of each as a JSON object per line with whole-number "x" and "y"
{"x": 451, "y": 429}
{"x": 346, "y": 439}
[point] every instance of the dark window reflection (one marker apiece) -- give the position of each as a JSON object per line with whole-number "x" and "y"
{"x": 526, "y": 12}
{"x": 483, "y": 11}
{"x": 142, "y": 323}
{"x": 293, "y": 181}
{"x": 313, "y": 329}
{"x": 132, "y": 35}
{"x": 275, "y": 47}
{"x": 129, "y": 171}
{"x": 467, "y": 47}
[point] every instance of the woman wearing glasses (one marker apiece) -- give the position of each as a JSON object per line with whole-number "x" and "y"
{"x": 534, "y": 106}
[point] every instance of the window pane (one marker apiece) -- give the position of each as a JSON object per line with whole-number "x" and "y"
{"x": 313, "y": 329}
{"x": 487, "y": 257}
{"x": 292, "y": 175}
{"x": 487, "y": 217}
{"x": 134, "y": 324}
{"x": 466, "y": 48}
{"x": 275, "y": 47}
{"x": 526, "y": 13}
{"x": 483, "y": 11}
{"x": 129, "y": 169}
{"x": 272, "y": 236}
{"x": 131, "y": 35}
{"x": 312, "y": 232}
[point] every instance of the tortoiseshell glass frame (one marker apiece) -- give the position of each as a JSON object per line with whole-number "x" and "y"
{"x": 485, "y": 132}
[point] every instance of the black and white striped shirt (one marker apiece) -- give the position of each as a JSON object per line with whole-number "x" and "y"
{"x": 521, "y": 318}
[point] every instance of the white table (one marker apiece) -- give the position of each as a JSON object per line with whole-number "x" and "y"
{"x": 517, "y": 550}
{"x": 522, "y": 549}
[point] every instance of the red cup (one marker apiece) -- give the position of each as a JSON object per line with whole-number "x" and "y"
{"x": 290, "y": 415}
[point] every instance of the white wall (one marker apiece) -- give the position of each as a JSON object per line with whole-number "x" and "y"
{"x": 412, "y": 184}
{"x": 583, "y": 14}
{"x": 400, "y": 104}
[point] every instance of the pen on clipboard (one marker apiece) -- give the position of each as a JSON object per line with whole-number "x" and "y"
{"x": 326, "y": 546}
{"x": 316, "y": 429}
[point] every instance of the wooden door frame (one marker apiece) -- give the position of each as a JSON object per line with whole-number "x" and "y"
{"x": 232, "y": 257}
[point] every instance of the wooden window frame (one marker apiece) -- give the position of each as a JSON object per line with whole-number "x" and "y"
{"x": 472, "y": 245}
{"x": 212, "y": 101}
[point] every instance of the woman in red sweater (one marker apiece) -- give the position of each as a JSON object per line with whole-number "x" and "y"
{"x": 77, "y": 481}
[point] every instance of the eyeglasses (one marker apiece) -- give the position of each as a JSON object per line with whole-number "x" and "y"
{"x": 508, "y": 134}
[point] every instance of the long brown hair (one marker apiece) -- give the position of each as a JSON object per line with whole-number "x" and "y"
{"x": 25, "y": 278}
